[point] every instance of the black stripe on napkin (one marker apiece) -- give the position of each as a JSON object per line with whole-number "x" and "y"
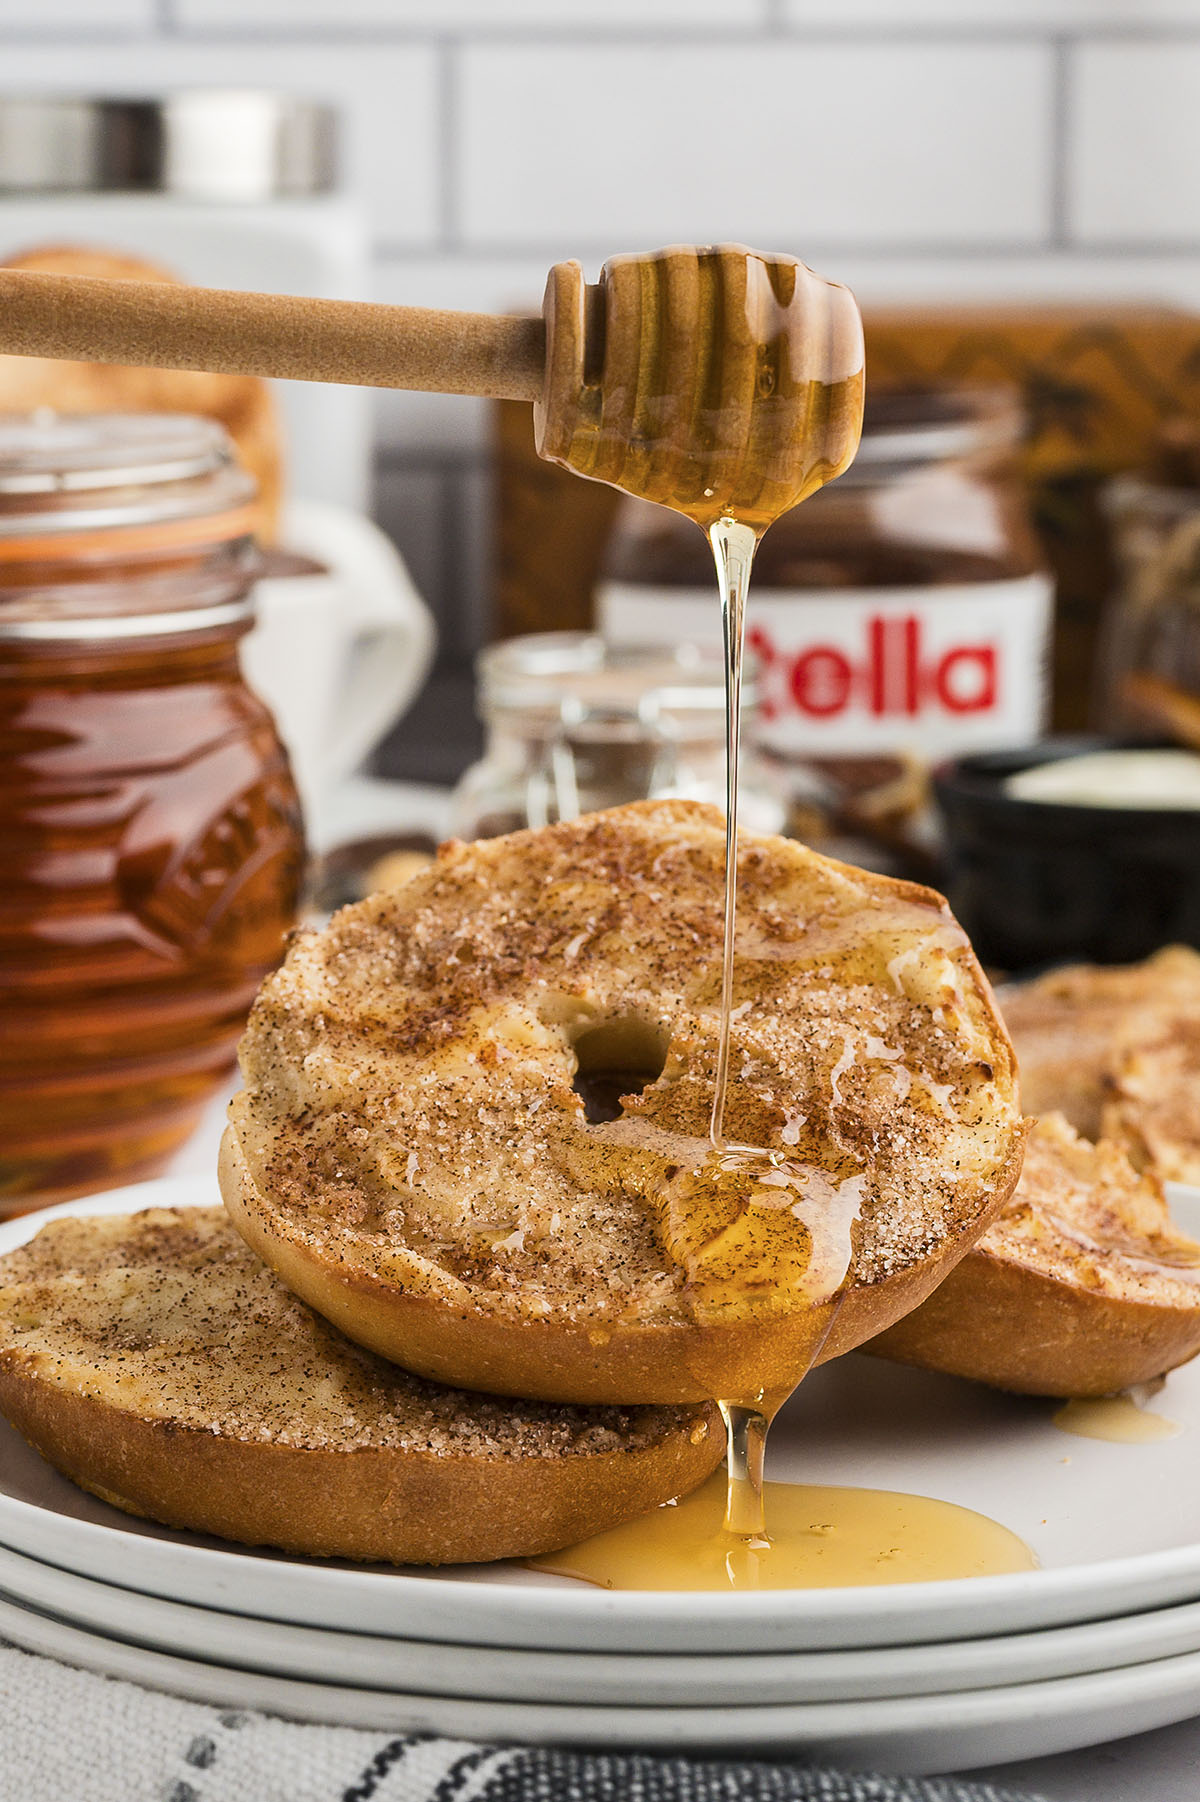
{"x": 387, "y": 1757}
{"x": 539, "y": 1773}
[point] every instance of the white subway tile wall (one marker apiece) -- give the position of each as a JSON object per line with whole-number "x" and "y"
{"x": 86, "y": 17}
{"x": 919, "y": 149}
{"x": 1133, "y": 169}
{"x": 616, "y": 144}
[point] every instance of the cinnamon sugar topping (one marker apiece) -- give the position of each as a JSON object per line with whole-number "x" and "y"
{"x": 410, "y": 1101}
{"x": 166, "y": 1313}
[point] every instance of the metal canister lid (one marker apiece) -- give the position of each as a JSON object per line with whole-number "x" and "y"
{"x": 221, "y": 145}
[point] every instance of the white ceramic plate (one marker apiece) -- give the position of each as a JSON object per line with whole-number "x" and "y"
{"x": 917, "y": 1735}
{"x": 637, "y": 1680}
{"x": 1113, "y": 1525}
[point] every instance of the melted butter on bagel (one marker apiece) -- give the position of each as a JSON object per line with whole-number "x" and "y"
{"x": 412, "y": 1153}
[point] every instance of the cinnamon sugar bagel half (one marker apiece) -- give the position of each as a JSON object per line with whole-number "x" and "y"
{"x": 154, "y": 1360}
{"x": 473, "y": 1131}
{"x": 1084, "y": 1286}
{"x": 1071, "y": 1024}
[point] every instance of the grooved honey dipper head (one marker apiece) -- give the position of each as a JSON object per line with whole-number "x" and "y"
{"x": 719, "y": 382}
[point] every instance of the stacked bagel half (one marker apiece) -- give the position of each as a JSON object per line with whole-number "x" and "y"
{"x": 489, "y": 1276}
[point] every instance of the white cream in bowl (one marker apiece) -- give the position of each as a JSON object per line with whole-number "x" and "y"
{"x": 1133, "y": 779}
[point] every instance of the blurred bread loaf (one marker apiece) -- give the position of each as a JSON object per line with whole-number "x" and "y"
{"x": 243, "y": 404}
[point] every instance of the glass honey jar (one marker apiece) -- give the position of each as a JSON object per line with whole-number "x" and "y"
{"x": 150, "y": 836}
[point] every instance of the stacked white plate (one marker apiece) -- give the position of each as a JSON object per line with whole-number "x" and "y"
{"x": 1103, "y": 1640}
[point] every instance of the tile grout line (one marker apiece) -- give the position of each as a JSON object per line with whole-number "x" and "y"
{"x": 395, "y": 254}
{"x": 1061, "y": 120}
{"x": 772, "y": 25}
{"x": 448, "y": 79}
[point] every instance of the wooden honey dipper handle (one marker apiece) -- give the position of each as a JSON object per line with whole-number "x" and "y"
{"x": 714, "y": 380}
{"x": 166, "y": 326}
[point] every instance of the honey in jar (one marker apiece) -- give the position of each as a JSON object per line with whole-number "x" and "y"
{"x": 150, "y": 834}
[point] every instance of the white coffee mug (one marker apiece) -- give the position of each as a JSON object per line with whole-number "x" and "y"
{"x": 336, "y": 655}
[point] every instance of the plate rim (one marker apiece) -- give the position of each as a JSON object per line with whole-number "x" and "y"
{"x": 858, "y": 1666}
{"x": 1016, "y": 1698}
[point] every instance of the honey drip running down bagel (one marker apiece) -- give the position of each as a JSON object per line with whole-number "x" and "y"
{"x": 413, "y": 1153}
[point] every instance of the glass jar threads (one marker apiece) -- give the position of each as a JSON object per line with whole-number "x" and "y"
{"x": 150, "y": 836}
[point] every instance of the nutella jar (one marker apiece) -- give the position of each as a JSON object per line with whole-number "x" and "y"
{"x": 150, "y": 836}
{"x": 900, "y": 615}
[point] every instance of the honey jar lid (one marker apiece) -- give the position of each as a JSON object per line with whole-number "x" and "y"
{"x": 151, "y": 496}
{"x": 77, "y": 471}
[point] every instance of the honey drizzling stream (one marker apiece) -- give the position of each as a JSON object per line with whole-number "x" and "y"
{"x": 732, "y": 441}
{"x": 828, "y": 1246}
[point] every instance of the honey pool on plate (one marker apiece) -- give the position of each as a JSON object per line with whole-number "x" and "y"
{"x": 1121, "y": 1418}
{"x": 819, "y": 1538}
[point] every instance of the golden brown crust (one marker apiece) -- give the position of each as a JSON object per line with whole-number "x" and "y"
{"x": 159, "y": 1365}
{"x": 512, "y": 1357}
{"x": 243, "y": 404}
{"x": 1082, "y": 1287}
{"x": 410, "y": 1154}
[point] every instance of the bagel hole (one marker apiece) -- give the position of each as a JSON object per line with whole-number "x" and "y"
{"x": 615, "y": 1059}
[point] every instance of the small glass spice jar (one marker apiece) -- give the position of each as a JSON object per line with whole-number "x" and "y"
{"x": 150, "y": 837}
{"x": 574, "y": 724}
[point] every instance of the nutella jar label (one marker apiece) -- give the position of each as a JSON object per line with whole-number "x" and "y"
{"x": 937, "y": 671}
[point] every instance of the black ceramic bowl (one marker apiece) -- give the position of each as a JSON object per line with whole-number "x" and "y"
{"x": 1044, "y": 882}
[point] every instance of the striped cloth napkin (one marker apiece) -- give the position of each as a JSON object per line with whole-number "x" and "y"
{"x": 71, "y": 1736}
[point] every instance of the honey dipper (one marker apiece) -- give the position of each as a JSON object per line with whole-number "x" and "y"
{"x": 716, "y": 380}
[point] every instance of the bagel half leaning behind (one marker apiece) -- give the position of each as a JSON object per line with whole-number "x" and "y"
{"x": 1067, "y": 1026}
{"x": 412, "y": 1154}
{"x": 158, "y": 1363}
{"x": 1084, "y": 1286}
